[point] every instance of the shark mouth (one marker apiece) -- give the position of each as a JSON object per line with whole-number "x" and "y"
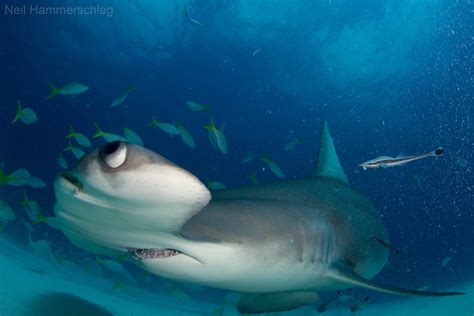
{"x": 141, "y": 254}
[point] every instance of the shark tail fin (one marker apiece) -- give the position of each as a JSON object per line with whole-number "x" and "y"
{"x": 348, "y": 277}
{"x": 328, "y": 164}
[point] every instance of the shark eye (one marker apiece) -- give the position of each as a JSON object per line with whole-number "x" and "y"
{"x": 113, "y": 154}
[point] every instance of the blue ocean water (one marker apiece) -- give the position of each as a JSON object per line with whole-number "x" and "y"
{"x": 389, "y": 77}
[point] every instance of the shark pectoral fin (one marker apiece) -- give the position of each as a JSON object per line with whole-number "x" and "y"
{"x": 328, "y": 164}
{"x": 275, "y": 302}
{"x": 348, "y": 277}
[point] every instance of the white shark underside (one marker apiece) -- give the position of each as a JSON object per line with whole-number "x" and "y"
{"x": 296, "y": 236}
{"x": 307, "y": 224}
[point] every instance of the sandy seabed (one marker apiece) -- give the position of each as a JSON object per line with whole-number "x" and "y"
{"x": 27, "y": 280}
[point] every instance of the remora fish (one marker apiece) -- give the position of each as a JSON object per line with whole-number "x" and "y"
{"x": 386, "y": 161}
{"x": 280, "y": 241}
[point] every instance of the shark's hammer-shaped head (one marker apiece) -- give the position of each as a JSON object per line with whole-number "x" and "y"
{"x": 123, "y": 197}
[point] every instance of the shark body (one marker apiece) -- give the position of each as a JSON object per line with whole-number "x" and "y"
{"x": 278, "y": 242}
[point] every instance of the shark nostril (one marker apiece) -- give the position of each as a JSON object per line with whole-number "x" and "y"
{"x": 72, "y": 179}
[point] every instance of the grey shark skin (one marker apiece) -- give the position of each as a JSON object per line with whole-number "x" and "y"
{"x": 294, "y": 236}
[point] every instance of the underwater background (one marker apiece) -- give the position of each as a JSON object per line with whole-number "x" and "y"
{"x": 389, "y": 77}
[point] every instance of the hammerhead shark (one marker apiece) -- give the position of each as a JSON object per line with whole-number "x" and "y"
{"x": 279, "y": 243}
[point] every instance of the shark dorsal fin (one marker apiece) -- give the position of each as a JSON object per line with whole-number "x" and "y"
{"x": 328, "y": 164}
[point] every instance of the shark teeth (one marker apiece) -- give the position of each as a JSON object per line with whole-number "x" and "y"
{"x": 140, "y": 254}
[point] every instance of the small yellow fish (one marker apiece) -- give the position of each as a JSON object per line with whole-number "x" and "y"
{"x": 6, "y": 212}
{"x": 26, "y": 115}
{"x": 62, "y": 161}
{"x": 40, "y": 218}
{"x": 216, "y": 137}
{"x": 72, "y": 88}
{"x": 78, "y": 153}
{"x": 215, "y": 185}
{"x": 193, "y": 106}
{"x": 167, "y": 127}
{"x": 292, "y": 145}
{"x": 119, "y": 100}
{"x": 80, "y": 138}
{"x": 108, "y": 137}
{"x": 273, "y": 167}
{"x": 185, "y": 135}
{"x": 20, "y": 177}
{"x": 247, "y": 158}
{"x": 27, "y": 225}
{"x": 31, "y": 208}
{"x": 132, "y": 137}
